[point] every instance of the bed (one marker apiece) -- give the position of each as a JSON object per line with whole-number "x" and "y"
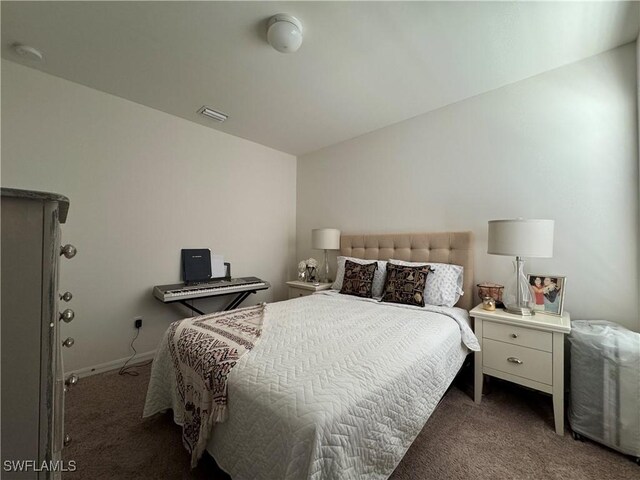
{"x": 338, "y": 386}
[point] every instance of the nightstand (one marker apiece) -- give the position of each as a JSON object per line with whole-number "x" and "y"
{"x": 302, "y": 289}
{"x": 528, "y": 351}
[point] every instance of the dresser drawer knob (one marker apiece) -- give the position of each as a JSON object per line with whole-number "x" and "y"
{"x": 514, "y": 360}
{"x": 71, "y": 381}
{"x": 67, "y": 439}
{"x": 66, "y": 296}
{"x": 68, "y": 342}
{"x": 514, "y": 335}
{"x": 67, "y": 315}
{"x": 68, "y": 251}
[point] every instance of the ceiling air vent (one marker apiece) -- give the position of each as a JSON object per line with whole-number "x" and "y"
{"x": 211, "y": 113}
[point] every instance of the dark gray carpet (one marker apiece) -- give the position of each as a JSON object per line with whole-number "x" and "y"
{"x": 509, "y": 436}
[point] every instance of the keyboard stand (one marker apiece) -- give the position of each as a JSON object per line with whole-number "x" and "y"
{"x": 241, "y": 297}
{"x": 235, "y": 303}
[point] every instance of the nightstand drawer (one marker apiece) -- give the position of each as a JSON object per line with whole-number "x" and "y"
{"x": 517, "y": 360}
{"x": 302, "y": 289}
{"x": 298, "y": 292}
{"x": 525, "y": 337}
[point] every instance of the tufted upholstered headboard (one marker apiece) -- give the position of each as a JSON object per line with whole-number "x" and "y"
{"x": 445, "y": 247}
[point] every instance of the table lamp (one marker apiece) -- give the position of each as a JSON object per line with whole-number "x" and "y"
{"x": 325, "y": 239}
{"x": 520, "y": 238}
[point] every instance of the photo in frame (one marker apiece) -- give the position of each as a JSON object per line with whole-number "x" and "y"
{"x": 547, "y": 292}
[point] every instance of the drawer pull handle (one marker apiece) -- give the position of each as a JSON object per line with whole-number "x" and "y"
{"x": 67, "y": 315}
{"x": 514, "y": 335}
{"x": 66, "y": 296}
{"x": 68, "y": 251}
{"x": 71, "y": 381}
{"x": 514, "y": 360}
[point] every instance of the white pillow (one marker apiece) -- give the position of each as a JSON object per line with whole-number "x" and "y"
{"x": 378, "y": 277}
{"x": 444, "y": 285}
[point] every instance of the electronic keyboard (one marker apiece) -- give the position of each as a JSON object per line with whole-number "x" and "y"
{"x": 213, "y": 288}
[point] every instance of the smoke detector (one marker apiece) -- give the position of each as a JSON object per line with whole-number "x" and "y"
{"x": 284, "y": 33}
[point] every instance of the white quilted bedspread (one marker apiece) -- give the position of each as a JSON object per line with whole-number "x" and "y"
{"x": 338, "y": 387}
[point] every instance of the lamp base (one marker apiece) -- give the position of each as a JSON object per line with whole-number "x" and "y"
{"x": 324, "y": 270}
{"x": 522, "y": 311}
{"x": 517, "y": 297}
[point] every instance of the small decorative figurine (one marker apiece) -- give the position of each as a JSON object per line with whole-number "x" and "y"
{"x": 489, "y": 303}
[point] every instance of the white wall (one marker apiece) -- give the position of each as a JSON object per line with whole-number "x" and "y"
{"x": 561, "y": 145}
{"x": 142, "y": 184}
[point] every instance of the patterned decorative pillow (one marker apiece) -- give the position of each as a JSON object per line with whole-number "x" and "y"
{"x": 378, "y": 278}
{"x": 405, "y": 284}
{"x": 444, "y": 285}
{"x": 358, "y": 279}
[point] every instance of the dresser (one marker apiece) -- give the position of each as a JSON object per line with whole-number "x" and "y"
{"x": 527, "y": 350}
{"x": 33, "y": 318}
{"x": 302, "y": 289}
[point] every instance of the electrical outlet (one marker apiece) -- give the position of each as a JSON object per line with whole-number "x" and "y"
{"x": 137, "y": 322}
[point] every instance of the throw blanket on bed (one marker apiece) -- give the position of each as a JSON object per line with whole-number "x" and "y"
{"x": 203, "y": 351}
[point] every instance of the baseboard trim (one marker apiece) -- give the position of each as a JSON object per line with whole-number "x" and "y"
{"x": 113, "y": 365}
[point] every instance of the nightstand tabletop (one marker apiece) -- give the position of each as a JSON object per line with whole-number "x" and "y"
{"x": 309, "y": 285}
{"x": 540, "y": 321}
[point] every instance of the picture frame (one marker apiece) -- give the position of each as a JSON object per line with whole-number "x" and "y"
{"x": 548, "y": 293}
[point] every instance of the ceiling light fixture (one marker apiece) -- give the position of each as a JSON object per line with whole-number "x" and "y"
{"x": 284, "y": 33}
{"x": 211, "y": 113}
{"x": 28, "y": 52}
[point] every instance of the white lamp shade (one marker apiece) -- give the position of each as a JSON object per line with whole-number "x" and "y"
{"x": 325, "y": 239}
{"x": 522, "y": 238}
